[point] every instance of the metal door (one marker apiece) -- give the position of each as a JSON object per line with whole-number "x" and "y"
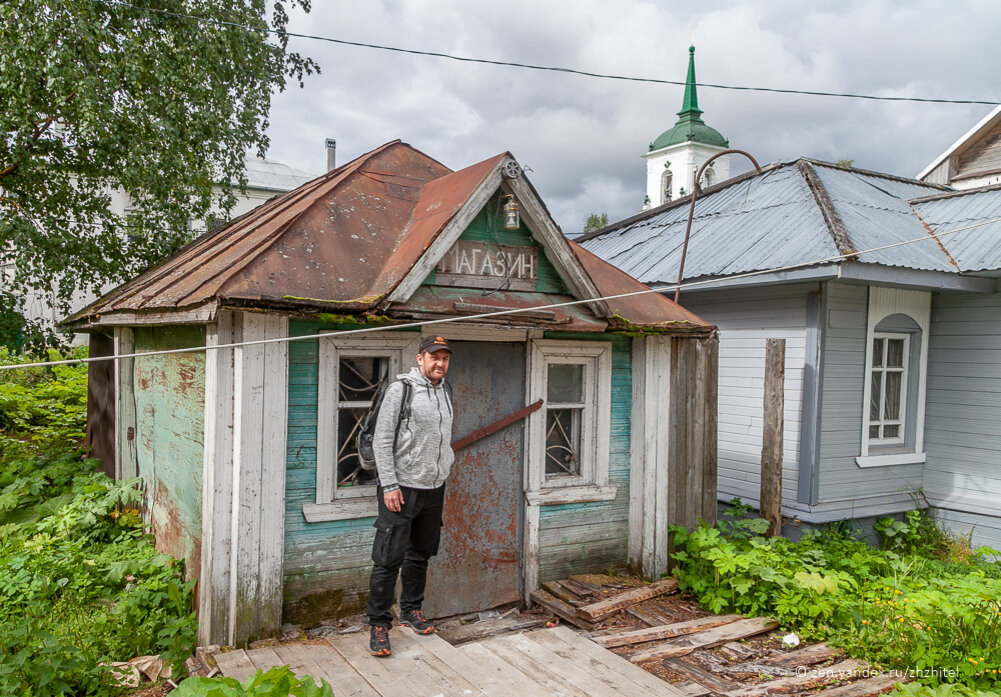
{"x": 478, "y": 563}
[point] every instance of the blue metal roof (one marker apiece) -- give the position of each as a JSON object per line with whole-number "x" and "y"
{"x": 974, "y": 249}
{"x": 771, "y": 220}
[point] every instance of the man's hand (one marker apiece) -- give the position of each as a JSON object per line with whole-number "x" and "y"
{"x": 394, "y": 500}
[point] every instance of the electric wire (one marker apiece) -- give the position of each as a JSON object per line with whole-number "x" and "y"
{"x": 499, "y": 313}
{"x": 531, "y": 66}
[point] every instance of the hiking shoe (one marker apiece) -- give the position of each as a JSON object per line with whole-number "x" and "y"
{"x": 378, "y": 643}
{"x": 415, "y": 620}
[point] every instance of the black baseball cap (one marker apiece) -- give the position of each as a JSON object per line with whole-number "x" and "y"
{"x": 433, "y": 343}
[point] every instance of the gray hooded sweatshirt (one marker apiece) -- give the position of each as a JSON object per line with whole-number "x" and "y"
{"x": 423, "y": 455}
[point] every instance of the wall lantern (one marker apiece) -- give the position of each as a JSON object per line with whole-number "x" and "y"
{"x": 512, "y": 216}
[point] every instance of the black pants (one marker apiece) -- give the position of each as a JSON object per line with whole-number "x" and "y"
{"x": 404, "y": 542}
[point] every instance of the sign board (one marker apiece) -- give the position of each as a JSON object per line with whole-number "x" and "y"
{"x": 485, "y": 265}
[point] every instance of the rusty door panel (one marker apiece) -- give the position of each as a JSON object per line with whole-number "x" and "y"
{"x": 478, "y": 565}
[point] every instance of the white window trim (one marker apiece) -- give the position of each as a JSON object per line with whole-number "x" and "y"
{"x": 592, "y": 483}
{"x": 356, "y": 502}
{"x": 916, "y": 304}
{"x": 904, "y": 382}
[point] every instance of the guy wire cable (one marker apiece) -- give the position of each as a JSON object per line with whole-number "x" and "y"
{"x": 485, "y": 315}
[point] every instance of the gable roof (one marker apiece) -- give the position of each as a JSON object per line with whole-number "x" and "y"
{"x": 983, "y": 126}
{"x": 359, "y": 238}
{"x": 790, "y": 214}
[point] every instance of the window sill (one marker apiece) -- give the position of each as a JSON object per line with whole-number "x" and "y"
{"x": 344, "y": 509}
{"x": 891, "y": 459}
{"x": 570, "y": 494}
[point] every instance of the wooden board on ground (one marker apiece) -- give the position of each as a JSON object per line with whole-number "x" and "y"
{"x": 235, "y": 664}
{"x": 324, "y": 663}
{"x": 667, "y": 631}
{"x": 707, "y": 680}
{"x": 558, "y": 590}
{"x": 839, "y": 672}
{"x": 864, "y": 688}
{"x": 692, "y": 689}
{"x": 652, "y": 617}
{"x": 571, "y": 646}
{"x": 538, "y": 673}
{"x": 707, "y": 639}
{"x": 394, "y": 675}
{"x": 492, "y": 677}
{"x": 264, "y": 659}
{"x": 515, "y": 680}
{"x": 560, "y": 609}
{"x": 579, "y": 588}
{"x": 603, "y": 608}
{"x": 803, "y": 656}
{"x": 436, "y": 671}
{"x": 487, "y": 628}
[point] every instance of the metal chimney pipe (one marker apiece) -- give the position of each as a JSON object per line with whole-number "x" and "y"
{"x": 331, "y": 145}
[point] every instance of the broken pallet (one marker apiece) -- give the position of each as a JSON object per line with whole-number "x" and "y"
{"x": 706, "y": 639}
{"x": 667, "y": 631}
{"x": 604, "y": 608}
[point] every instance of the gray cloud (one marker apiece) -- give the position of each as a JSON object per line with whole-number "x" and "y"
{"x": 582, "y": 137}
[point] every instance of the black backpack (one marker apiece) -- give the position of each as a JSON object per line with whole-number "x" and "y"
{"x": 363, "y": 441}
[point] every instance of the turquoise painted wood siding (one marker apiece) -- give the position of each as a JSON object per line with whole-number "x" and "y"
{"x": 486, "y": 227}
{"x": 170, "y": 426}
{"x": 589, "y": 537}
{"x": 844, "y": 346}
{"x": 963, "y": 414}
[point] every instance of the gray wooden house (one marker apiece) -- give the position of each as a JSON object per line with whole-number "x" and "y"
{"x": 893, "y": 362}
{"x": 246, "y": 451}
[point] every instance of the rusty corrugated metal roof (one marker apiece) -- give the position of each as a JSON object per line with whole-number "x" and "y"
{"x": 345, "y": 241}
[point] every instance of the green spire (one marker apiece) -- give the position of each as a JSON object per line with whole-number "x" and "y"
{"x": 691, "y": 104}
{"x": 690, "y": 126}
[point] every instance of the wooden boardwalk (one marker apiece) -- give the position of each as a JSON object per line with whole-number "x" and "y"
{"x": 554, "y": 662}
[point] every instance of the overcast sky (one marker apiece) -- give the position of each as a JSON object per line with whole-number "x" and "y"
{"x": 583, "y": 137}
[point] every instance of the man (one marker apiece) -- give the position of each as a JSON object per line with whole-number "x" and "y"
{"x": 413, "y": 462}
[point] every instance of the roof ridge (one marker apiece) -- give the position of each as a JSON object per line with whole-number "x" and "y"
{"x": 954, "y": 193}
{"x": 835, "y": 225}
{"x": 686, "y": 200}
{"x": 873, "y": 173}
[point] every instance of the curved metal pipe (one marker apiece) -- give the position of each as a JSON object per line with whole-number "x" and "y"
{"x": 691, "y": 209}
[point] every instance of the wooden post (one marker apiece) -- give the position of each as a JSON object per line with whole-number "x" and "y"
{"x": 771, "y": 445}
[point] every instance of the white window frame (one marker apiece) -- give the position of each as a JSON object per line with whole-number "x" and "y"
{"x": 666, "y": 186}
{"x": 884, "y": 302}
{"x": 904, "y": 382}
{"x": 592, "y": 482}
{"x": 350, "y": 502}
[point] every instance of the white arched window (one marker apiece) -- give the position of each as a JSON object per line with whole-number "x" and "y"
{"x": 708, "y": 178}
{"x": 666, "y": 181}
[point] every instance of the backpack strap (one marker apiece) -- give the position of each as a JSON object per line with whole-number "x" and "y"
{"x": 404, "y": 409}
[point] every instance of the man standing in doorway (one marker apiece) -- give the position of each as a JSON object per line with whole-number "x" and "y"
{"x": 413, "y": 457}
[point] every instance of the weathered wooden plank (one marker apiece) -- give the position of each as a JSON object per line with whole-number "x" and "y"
{"x": 864, "y": 688}
{"x": 394, "y": 675}
{"x": 487, "y": 628}
{"x": 558, "y": 590}
{"x": 235, "y": 664}
{"x": 542, "y": 673}
{"x": 492, "y": 677}
{"x": 844, "y": 670}
{"x": 265, "y": 658}
{"x": 599, "y": 683}
{"x": 692, "y": 689}
{"x": 579, "y": 589}
{"x": 707, "y": 639}
{"x": 561, "y": 609}
{"x": 518, "y": 682}
{"x": 406, "y": 645}
{"x": 568, "y": 644}
{"x": 707, "y": 680}
{"x": 803, "y": 656}
{"x": 603, "y": 608}
{"x": 653, "y": 618}
{"x": 772, "y": 435}
{"x": 321, "y": 661}
{"x": 666, "y": 631}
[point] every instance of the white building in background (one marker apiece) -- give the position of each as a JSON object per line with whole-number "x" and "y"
{"x": 678, "y": 153}
{"x": 972, "y": 161}
{"x": 265, "y": 179}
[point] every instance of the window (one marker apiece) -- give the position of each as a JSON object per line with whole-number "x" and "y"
{"x": 708, "y": 178}
{"x": 568, "y": 437}
{"x": 350, "y": 370}
{"x": 667, "y": 180}
{"x": 887, "y": 393}
{"x": 895, "y": 375}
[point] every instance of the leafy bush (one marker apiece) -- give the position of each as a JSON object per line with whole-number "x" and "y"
{"x": 80, "y": 581}
{"x": 277, "y": 682}
{"x": 900, "y": 611}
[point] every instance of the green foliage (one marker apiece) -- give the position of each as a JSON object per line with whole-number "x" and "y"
{"x": 919, "y": 534}
{"x": 916, "y": 689}
{"x": 595, "y": 221}
{"x": 80, "y": 581}
{"x": 898, "y": 610}
{"x": 277, "y": 682}
{"x": 102, "y": 99}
